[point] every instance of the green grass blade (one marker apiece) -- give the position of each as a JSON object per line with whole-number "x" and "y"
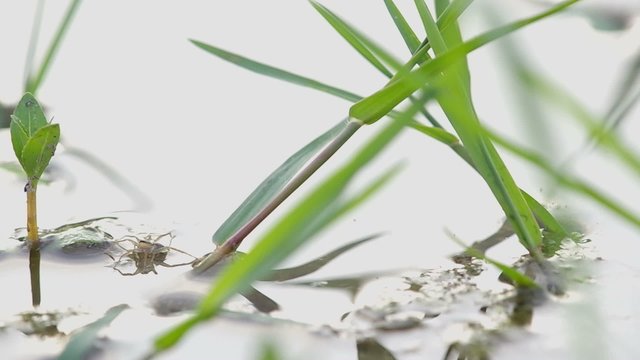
{"x": 273, "y": 184}
{"x": 346, "y": 32}
{"x": 566, "y": 101}
{"x": 409, "y": 37}
{"x": 622, "y": 95}
{"x": 313, "y": 265}
{"x": 565, "y": 180}
{"x": 273, "y": 72}
{"x": 457, "y": 105}
{"x": 34, "y": 83}
{"x": 82, "y": 343}
{"x": 451, "y": 13}
{"x": 309, "y": 216}
{"x": 373, "y": 107}
{"x": 33, "y": 43}
{"x": 453, "y": 37}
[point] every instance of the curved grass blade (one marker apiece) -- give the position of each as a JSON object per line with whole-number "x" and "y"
{"x": 566, "y": 101}
{"x": 457, "y": 105}
{"x": 453, "y": 37}
{"x": 140, "y": 200}
{"x": 33, "y": 43}
{"x": 316, "y": 211}
{"x": 409, "y": 37}
{"x": 346, "y": 31}
{"x": 373, "y": 107}
{"x": 314, "y": 265}
{"x": 575, "y": 185}
{"x": 273, "y": 184}
{"x": 623, "y": 96}
{"x": 82, "y": 343}
{"x": 33, "y": 84}
{"x": 273, "y": 72}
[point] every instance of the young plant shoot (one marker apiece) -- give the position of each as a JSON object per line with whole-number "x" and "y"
{"x": 34, "y": 142}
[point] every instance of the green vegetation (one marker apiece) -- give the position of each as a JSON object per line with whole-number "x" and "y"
{"x": 34, "y": 143}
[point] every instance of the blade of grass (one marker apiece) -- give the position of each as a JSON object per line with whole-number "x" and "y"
{"x": 314, "y": 265}
{"x": 273, "y": 72}
{"x": 373, "y": 107}
{"x": 622, "y": 94}
{"x": 273, "y": 184}
{"x": 567, "y": 102}
{"x": 83, "y": 342}
{"x": 313, "y": 213}
{"x": 565, "y": 180}
{"x": 347, "y": 33}
{"x": 34, "y": 82}
{"x": 33, "y": 43}
{"x": 457, "y": 105}
{"x": 405, "y": 30}
{"x": 453, "y": 37}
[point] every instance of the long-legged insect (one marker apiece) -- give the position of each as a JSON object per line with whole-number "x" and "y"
{"x": 146, "y": 253}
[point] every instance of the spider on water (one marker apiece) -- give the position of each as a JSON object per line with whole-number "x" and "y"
{"x": 147, "y": 253}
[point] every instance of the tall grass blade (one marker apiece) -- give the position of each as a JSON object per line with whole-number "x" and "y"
{"x": 346, "y": 31}
{"x": 453, "y": 37}
{"x": 565, "y": 180}
{"x": 590, "y": 122}
{"x": 623, "y": 98}
{"x": 272, "y": 185}
{"x": 373, "y": 107}
{"x": 34, "y": 82}
{"x": 409, "y": 37}
{"x": 33, "y": 43}
{"x": 317, "y": 210}
{"x": 83, "y": 342}
{"x": 273, "y": 72}
{"x": 457, "y": 105}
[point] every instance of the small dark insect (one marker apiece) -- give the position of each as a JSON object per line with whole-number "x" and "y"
{"x": 146, "y": 253}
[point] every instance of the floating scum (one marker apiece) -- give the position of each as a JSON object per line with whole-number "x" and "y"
{"x": 443, "y": 77}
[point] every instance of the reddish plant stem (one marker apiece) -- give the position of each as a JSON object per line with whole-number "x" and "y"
{"x": 232, "y": 243}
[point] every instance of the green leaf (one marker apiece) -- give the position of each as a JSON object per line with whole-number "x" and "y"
{"x": 82, "y": 343}
{"x": 273, "y": 72}
{"x": 34, "y": 82}
{"x": 316, "y": 211}
{"x": 453, "y": 37}
{"x": 347, "y": 32}
{"x": 27, "y": 118}
{"x": 39, "y": 149}
{"x": 565, "y": 180}
{"x": 273, "y": 184}
{"x": 405, "y": 30}
{"x": 373, "y": 107}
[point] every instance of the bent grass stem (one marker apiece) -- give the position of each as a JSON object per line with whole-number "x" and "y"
{"x": 232, "y": 243}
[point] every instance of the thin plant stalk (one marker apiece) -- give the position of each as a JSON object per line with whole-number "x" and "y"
{"x": 32, "y": 218}
{"x": 231, "y": 244}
